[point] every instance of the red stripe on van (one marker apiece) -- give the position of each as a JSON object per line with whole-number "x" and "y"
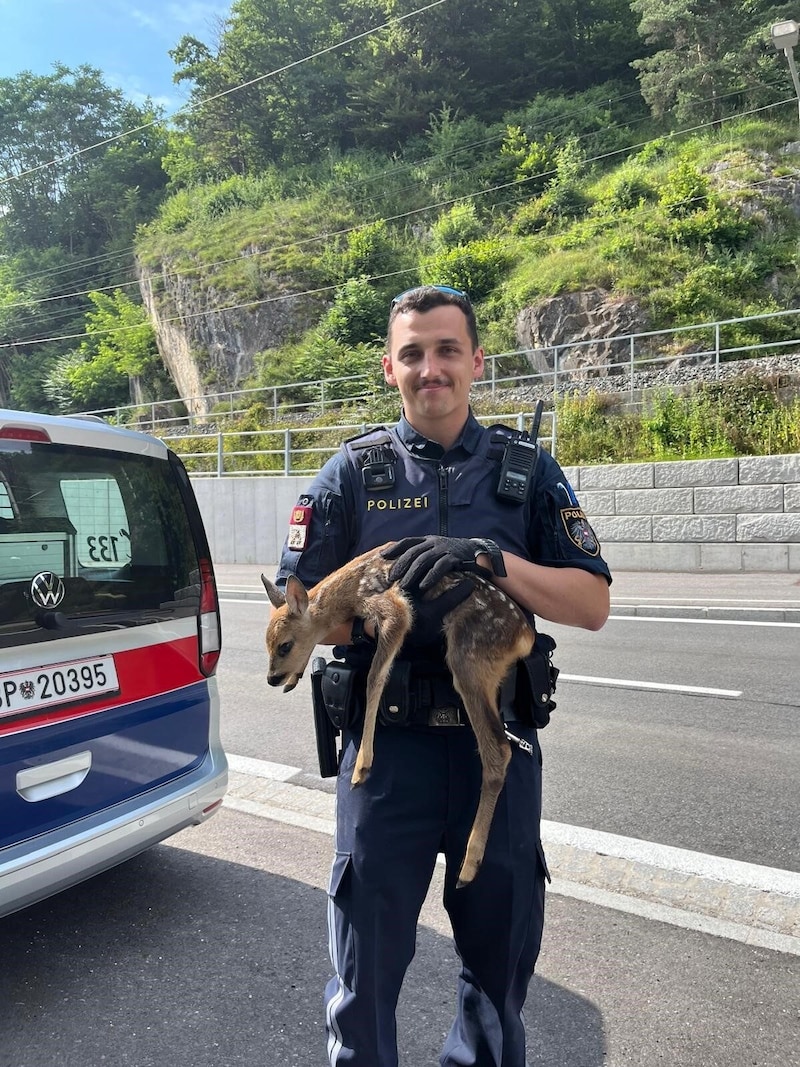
{"x": 141, "y": 672}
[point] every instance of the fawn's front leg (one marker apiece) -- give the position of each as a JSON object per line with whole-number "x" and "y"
{"x": 393, "y": 618}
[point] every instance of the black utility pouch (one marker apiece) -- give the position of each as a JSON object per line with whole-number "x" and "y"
{"x": 340, "y": 693}
{"x": 536, "y": 681}
{"x": 395, "y": 703}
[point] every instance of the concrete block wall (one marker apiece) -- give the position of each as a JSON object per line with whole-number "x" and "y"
{"x": 704, "y": 515}
{"x": 723, "y": 515}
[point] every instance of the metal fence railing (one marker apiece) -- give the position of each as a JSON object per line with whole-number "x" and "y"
{"x": 637, "y": 354}
{"x": 194, "y": 412}
{"x": 562, "y": 367}
{"x": 299, "y": 451}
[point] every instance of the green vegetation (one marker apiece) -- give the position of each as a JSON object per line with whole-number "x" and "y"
{"x": 740, "y": 417}
{"x": 748, "y": 415}
{"x": 633, "y": 145}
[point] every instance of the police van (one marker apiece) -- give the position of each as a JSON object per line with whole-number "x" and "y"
{"x": 109, "y": 640}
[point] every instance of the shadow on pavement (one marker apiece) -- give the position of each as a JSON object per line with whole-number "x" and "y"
{"x": 177, "y": 958}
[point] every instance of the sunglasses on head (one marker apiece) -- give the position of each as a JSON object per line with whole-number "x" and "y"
{"x": 439, "y": 289}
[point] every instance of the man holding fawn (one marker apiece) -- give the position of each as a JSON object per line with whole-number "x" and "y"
{"x": 431, "y": 485}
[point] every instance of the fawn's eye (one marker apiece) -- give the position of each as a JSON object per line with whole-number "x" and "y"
{"x": 285, "y": 648}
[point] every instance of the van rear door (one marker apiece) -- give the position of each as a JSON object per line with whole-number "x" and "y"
{"x": 109, "y": 625}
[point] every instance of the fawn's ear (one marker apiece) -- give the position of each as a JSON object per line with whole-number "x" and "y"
{"x": 277, "y": 599}
{"x": 296, "y": 596}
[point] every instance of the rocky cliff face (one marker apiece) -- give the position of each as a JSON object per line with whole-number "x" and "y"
{"x": 207, "y": 340}
{"x": 593, "y": 318}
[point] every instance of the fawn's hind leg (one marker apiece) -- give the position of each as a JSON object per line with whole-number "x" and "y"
{"x": 393, "y": 617}
{"x": 477, "y": 684}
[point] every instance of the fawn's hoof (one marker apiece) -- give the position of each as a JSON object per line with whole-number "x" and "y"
{"x": 466, "y": 876}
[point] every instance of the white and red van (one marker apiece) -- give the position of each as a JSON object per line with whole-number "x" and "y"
{"x": 109, "y": 640}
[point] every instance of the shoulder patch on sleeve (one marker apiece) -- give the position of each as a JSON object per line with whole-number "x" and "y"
{"x": 300, "y": 522}
{"x": 579, "y": 531}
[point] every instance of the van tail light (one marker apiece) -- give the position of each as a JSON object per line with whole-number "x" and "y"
{"x": 24, "y": 433}
{"x": 209, "y": 628}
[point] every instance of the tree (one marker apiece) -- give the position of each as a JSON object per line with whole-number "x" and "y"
{"x": 67, "y": 174}
{"x": 119, "y": 345}
{"x": 711, "y": 57}
{"x": 289, "y": 115}
{"x": 83, "y": 170}
{"x": 380, "y": 89}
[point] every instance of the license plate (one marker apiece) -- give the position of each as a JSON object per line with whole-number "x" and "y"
{"x": 63, "y": 683}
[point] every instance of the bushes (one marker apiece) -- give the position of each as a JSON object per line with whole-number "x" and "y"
{"x": 358, "y": 314}
{"x": 739, "y": 417}
{"x": 589, "y": 430}
{"x": 476, "y": 267}
{"x": 458, "y": 226}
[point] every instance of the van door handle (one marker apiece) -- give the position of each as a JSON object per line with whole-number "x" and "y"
{"x": 51, "y": 779}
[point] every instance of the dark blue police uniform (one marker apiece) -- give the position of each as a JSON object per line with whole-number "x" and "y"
{"x": 420, "y": 796}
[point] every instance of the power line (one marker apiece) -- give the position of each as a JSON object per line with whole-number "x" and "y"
{"x": 226, "y": 92}
{"x": 416, "y": 211}
{"x": 356, "y": 206}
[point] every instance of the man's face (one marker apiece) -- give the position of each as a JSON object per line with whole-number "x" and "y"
{"x": 432, "y": 362}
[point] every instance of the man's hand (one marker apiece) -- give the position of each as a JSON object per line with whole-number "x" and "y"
{"x": 421, "y": 561}
{"x": 429, "y": 614}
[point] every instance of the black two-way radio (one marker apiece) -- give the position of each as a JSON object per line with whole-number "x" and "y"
{"x": 518, "y": 466}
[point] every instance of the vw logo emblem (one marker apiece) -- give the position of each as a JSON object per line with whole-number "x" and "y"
{"x": 47, "y": 589}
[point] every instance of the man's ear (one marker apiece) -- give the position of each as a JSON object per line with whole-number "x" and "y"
{"x": 388, "y": 373}
{"x": 478, "y": 364}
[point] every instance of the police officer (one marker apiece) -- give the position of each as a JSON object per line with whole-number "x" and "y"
{"x": 431, "y": 485}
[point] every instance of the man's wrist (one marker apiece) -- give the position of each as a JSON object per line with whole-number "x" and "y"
{"x": 492, "y": 550}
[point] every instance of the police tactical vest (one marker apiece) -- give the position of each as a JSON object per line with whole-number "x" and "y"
{"x": 403, "y": 493}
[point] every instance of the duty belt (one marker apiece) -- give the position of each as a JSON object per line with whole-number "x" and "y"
{"x": 414, "y": 697}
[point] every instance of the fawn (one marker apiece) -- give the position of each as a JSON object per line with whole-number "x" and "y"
{"x": 485, "y": 636}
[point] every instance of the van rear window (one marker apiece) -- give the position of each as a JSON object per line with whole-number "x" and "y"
{"x": 90, "y": 540}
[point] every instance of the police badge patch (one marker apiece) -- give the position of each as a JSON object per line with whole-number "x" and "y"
{"x": 579, "y": 531}
{"x": 299, "y": 524}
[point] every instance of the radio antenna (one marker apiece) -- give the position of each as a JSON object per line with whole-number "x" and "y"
{"x": 537, "y": 418}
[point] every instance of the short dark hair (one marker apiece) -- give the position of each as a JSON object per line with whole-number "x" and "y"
{"x": 427, "y": 297}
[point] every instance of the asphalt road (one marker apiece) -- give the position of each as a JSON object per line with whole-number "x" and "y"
{"x": 210, "y": 950}
{"x": 670, "y": 730}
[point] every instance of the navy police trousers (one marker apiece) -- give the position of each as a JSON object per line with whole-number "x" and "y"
{"x": 419, "y": 800}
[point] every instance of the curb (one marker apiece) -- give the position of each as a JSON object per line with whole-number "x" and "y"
{"x": 728, "y": 898}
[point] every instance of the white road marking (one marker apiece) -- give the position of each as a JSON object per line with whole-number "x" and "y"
{"x": 260, "y": 768}
{"x": 663, "y": 602}
{"x": 261, "y": 602}
{"x": 629, "y": 683}
{"x": 672, "y": 619}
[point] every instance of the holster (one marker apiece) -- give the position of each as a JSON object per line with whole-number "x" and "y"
{"x": 337, "y": 696}
{"x": 536, "y": 683}
{"x": 324, "y": 729}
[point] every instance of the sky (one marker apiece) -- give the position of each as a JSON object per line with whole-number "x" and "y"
{"x": 128, "y": 40}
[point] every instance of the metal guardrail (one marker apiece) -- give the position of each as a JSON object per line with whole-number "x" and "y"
{"x": 639, "y": 357}
{"x": 326, "y": 393}
{"x": 227, "y": 455}
{"x": 333, "y": 392}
